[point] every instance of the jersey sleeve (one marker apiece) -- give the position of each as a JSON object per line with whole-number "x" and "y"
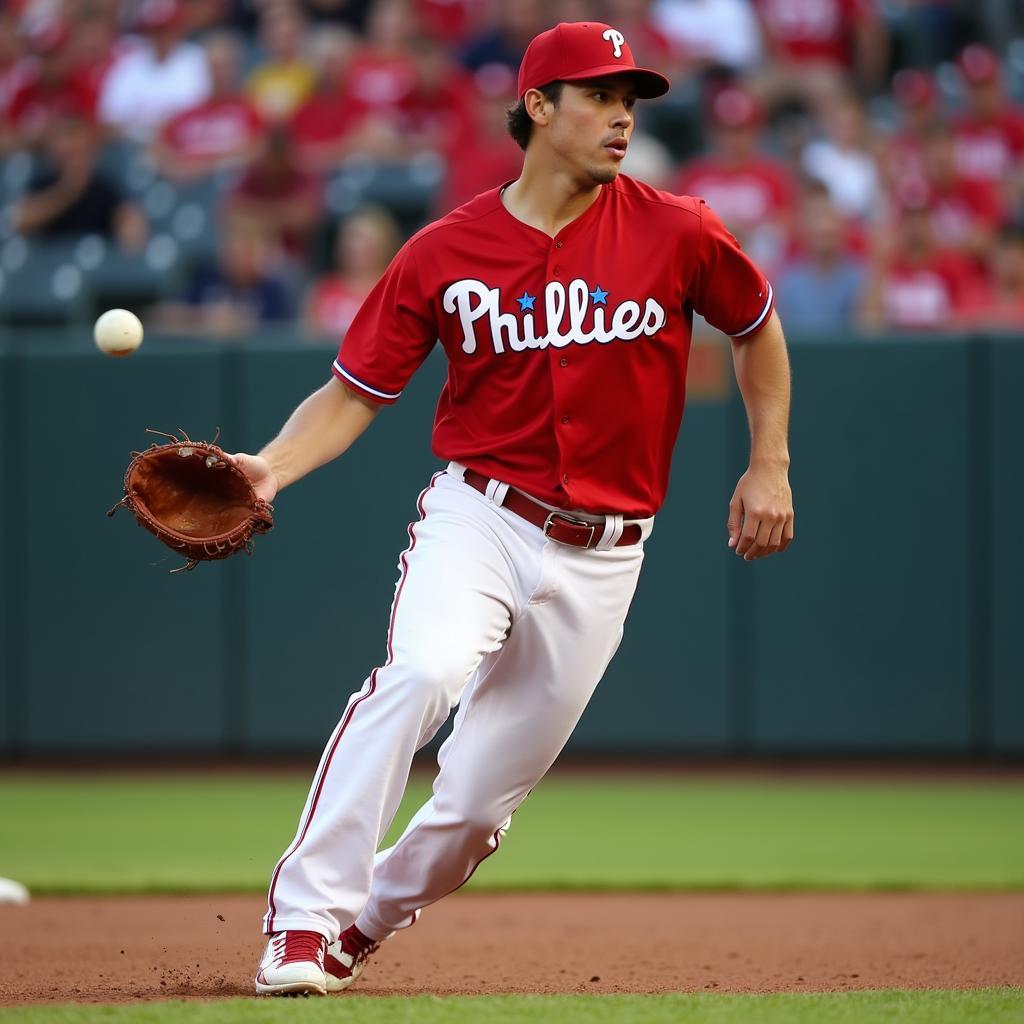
{"x": 391, "y": 334}
{"x": 728, "y": 291}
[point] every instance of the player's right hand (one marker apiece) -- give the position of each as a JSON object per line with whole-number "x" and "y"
{"x": 261, "y": 476}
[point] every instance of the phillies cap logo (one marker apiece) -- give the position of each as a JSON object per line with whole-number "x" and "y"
{"x": 616, "y": 39}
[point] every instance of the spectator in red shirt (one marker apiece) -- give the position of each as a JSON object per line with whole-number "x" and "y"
{"x": 379, "y": 78}
{"x": 913, "y": 285}
{"x": 990, "y": 134}
{"x": 224, "y": 130}
{"x": 438, "y": 113}
{"x": 321, "y": 127}
{"x": 278, "y": 196}
{"x": 966, "y": 213}
{"x": 752, "y": 193}
{"x": 365, "y": 243}
{"x": 448, "y": 21}
{"x": 52, "y": 83}
{"x": 382, "y": 76}
{"x": 999, "y": 305}
{"x": 486, "y": 156}
{"x": 15, "y": 69}
{"x": 901, "y": 159}
{"x": 817, "y": 49}
{"x": 97, "y": 44}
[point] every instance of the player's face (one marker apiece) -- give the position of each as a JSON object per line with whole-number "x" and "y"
{"x": 592, "y": 124}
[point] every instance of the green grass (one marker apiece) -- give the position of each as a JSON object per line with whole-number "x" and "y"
{"x": 984, "y": 1006}
{"x": 190, "y": 832}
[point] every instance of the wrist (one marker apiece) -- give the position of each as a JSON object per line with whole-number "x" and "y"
{"x": 276, "y": 464}
{"x": 777, "y": 460}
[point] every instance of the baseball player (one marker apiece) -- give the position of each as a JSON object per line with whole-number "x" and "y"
{"x": 563, "y": 301}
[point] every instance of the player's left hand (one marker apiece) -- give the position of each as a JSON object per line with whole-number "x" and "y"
{"x": 761, "y": 513}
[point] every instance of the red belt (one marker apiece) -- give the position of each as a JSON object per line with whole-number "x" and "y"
{"x": 560, "y": 526}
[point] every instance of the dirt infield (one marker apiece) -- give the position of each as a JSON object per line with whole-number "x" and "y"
{"x": 125, "y": 948}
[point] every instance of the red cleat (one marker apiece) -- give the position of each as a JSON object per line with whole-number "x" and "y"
{"x": 347, "y": 957}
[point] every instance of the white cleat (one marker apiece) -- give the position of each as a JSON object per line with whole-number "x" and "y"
{"x": 293, "y": 965}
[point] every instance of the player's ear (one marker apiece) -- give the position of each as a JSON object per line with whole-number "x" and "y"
{"x": 538, "y": 106}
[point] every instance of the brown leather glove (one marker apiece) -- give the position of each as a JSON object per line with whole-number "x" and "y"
{"x": 192, "y": 497}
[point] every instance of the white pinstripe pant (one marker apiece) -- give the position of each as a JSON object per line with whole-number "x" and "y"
{"x": 489, "y": 614}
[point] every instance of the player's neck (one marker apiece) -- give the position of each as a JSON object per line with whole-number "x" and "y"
{"x": 548, "y": 199}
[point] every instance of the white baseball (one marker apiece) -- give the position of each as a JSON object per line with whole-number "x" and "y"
{"x": 118, "y": 332}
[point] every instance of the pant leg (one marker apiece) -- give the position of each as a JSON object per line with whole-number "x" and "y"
{"x": 453, "y": 607}
{"x": 513, "y": 721}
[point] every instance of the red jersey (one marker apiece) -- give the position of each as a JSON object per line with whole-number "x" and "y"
{"x": 444, "y": 117}
{"x": 448, "y": 20}
{"x": 377, "y": 81}
{"x": 332, "y": 305}
{"x": 990, "y": 150}
{"x": 754, "y": 200}
{"x": 813, "y": 30}
{"x": 986, "y": 307}
{"x": 741, "y": 196}
{"x": 35, "y": 103}
{"x": 324, "y": 118}
{"x": 960, "y": 208}
{"x": 928, "y": 295}
{"x": 566, "y": 356}
{"x": 214, "y": 130}
{"x": 475, "y": 164}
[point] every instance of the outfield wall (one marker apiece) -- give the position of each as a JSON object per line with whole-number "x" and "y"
{"x": 892, "y": 625}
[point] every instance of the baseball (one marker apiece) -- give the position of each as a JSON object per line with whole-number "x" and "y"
{"x": 118, "y": 332}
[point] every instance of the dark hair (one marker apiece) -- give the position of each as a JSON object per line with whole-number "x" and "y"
{"x": 1012, "y": 232}
{"x": 518, "y": 121}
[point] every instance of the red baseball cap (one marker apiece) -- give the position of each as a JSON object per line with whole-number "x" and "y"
{"x": 914, "y": 89}
{"x": 47, "y": 34}
{"x": 575, "y": 50}
{"x": 978, "y": 64}
{"x": 733, "y": 107}
{"x": 153, "y": 15}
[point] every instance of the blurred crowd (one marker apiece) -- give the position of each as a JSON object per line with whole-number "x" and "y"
{"x": 237, "y": 162}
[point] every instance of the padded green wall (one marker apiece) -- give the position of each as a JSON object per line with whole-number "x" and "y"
{"x": 890, "y": 626}
{"x": 1006, "y": 549}
{"x": 860, "y": 632}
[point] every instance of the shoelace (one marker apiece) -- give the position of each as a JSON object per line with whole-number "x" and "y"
{"x": 299, "y": 946}
{"x": 357, "y": 945}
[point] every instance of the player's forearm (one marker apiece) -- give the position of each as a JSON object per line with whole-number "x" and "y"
{"x": 762, "y": 372}
{"x": 326, "y": 424}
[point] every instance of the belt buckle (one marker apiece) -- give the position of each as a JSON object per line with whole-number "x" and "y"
{"x": 592, "y": 527}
